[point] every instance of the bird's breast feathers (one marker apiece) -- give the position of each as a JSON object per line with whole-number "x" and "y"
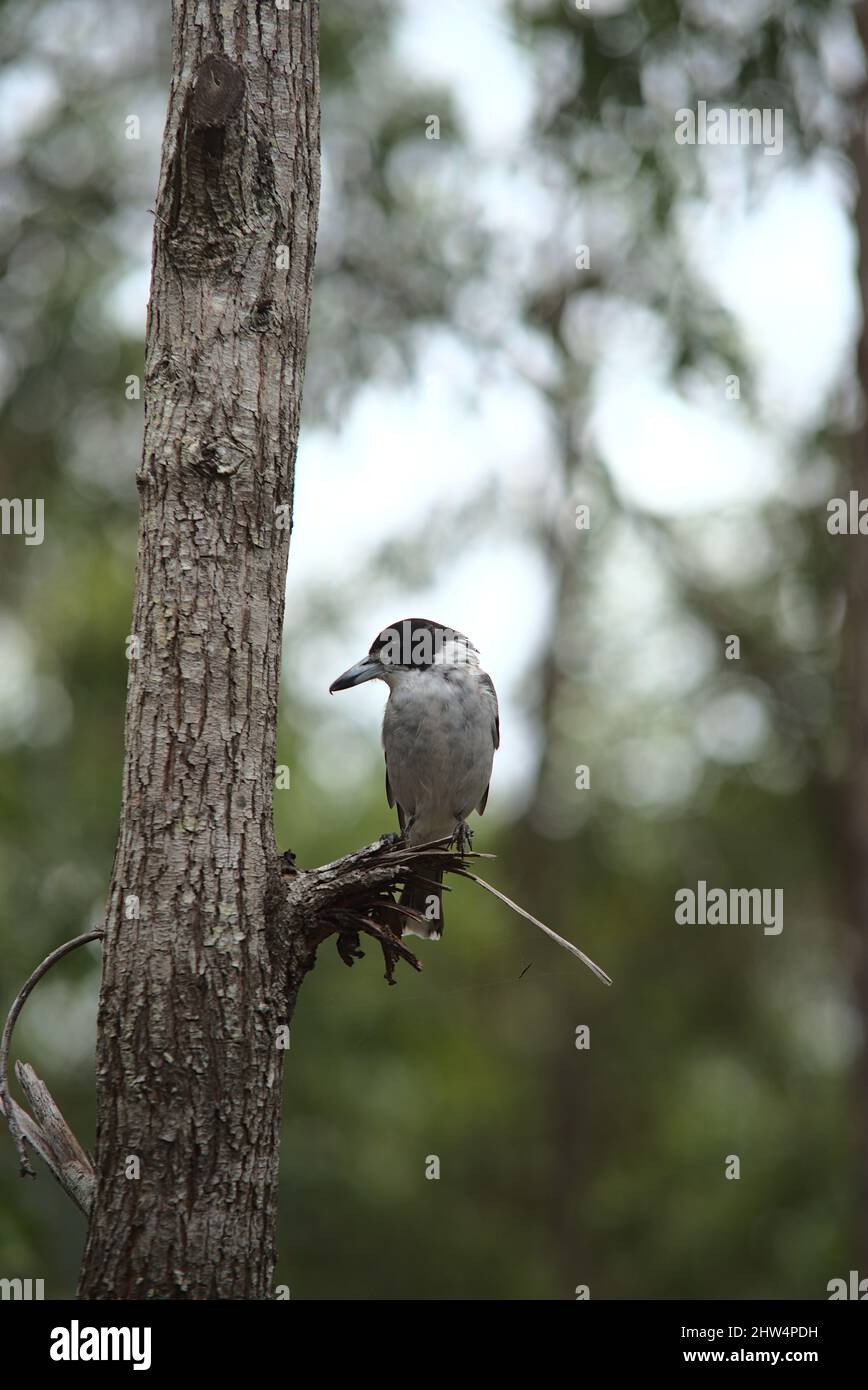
{"x": 439, "y": 737}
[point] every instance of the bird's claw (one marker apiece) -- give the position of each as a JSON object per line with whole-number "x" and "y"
{"x": 462, "y": 839}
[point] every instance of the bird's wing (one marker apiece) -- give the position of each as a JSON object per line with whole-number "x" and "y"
{"x": 390, "y": 797}
{"x": 488, "y": 684}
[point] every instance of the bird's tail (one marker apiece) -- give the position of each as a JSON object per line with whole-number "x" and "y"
{"x": 428, "y": 901}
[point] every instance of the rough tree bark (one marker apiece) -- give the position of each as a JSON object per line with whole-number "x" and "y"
{"x": 196, "y": 979}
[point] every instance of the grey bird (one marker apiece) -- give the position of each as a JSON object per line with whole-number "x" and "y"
{"x": 440, "y": 730}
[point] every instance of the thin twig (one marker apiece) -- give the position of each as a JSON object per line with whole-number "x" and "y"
{"x": 567, "y": 945}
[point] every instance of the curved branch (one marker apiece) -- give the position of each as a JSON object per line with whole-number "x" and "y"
{"x": 48, "y": 1133}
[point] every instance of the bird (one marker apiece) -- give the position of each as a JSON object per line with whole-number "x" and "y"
{"x": 441, "y": 728}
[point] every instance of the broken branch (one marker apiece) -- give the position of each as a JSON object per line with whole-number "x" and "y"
{"x": 360, "y": 886}
{"x": 46, "y": 1130}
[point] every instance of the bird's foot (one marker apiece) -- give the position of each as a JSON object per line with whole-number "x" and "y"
{"x": 391, "y": 837}
{"x": 462, "y": 837}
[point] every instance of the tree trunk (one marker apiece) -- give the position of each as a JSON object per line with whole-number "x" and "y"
{"x": 196, "y": 981}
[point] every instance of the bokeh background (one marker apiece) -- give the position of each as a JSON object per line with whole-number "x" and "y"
{"x": 469, "y": 386}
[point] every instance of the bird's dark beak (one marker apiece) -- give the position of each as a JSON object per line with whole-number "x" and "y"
{"x": 365, "y": 670}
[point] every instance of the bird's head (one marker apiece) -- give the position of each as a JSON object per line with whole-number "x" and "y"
{"x": 414, "y": 644}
